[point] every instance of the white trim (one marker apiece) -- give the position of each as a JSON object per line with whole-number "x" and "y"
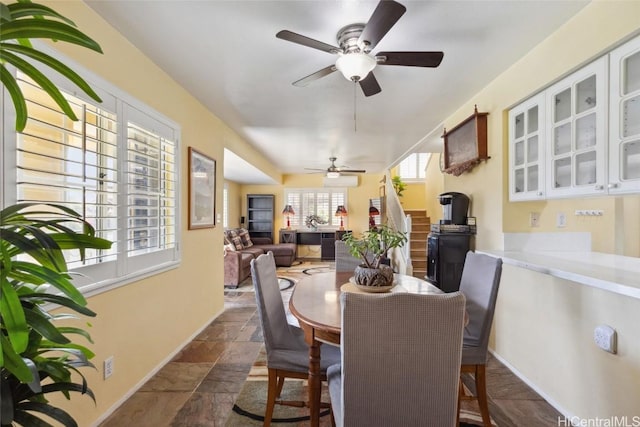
{"x": 106, "y": 414}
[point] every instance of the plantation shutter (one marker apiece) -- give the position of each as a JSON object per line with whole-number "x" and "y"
{"x": 69, "y": 163}
{"x": 151, "y": 185}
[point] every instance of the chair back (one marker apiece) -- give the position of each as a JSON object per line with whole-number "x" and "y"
{"x": 344, "y": 260}
{"x": 479, "y": 284}
{"x": 277, "y": 332}
{"x": 401, "y": 358}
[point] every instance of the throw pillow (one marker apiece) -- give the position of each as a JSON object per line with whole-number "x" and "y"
{"x": 246, "y": 239}
{"x": 230, "y": 247}
{"x": 237, "y": 242}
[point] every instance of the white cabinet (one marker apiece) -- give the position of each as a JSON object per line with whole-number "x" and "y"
{"x": 576, "y": 133}
{"x": 526, "y": 150}
{"x": 624, "y": 133}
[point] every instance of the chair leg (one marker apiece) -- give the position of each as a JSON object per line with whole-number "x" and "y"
{"x": 280, "y": 384}
{"x": 460, "y": 391}
{"x": 272, "y": 393}
{"x": 481, "y": 390}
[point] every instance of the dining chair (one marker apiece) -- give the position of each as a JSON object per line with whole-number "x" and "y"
{"x": 479, "y": 284}
{"x": 287, "y": 351}
{"x": 400, "y": 360}
{"x": 344, "y": 260}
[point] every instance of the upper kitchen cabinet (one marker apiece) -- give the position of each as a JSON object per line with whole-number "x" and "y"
{"x": 576, "y": 133}
{"x": 526, "y": 150}
{"x": 624, "y": 127}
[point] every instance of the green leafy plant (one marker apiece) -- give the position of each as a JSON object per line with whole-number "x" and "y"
{"x": 374, "y": 244}
{"x": 398, "y": 185}
{"x": 22, "y": 21}
{"x": 34, "y": 274}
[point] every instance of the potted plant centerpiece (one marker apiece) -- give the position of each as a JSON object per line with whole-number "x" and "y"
{"x": 374, "y": 274}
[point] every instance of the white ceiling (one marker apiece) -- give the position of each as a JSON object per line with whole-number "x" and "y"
{"x": 226, "y": 54}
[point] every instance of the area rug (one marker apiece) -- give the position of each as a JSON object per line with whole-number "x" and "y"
{"x": 289, "y": 276}
{"x": 250, "y": 405}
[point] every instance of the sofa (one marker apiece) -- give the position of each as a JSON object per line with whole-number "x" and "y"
{"x": 240, "y": 248}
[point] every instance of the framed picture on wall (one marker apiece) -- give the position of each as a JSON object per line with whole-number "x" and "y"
{"x": 202, "y": 190}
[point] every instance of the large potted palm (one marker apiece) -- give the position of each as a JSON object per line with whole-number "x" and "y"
{"x": 34, "y": 275}
{"x": 38, "y": 356}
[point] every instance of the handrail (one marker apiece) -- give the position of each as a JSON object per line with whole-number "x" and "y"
{"x": 397, "y": 220}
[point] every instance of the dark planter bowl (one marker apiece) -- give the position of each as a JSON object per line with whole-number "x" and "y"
{"x": 373, "y": 277}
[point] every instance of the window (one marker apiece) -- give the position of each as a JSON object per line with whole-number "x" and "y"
{"x": 225, "y": 206}
{"x": 116, "y": 166}
{"x": 413, "y": 167}
{"x": 312, "y": 201}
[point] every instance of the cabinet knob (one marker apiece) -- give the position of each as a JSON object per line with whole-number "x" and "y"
{"x": 540, "y": 193}
{"x": 613, "y": 185}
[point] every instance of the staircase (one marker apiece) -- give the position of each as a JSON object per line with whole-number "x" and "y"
{"x": 420, "y": 225}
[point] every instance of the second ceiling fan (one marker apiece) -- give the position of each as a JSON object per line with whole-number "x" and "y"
{"x": 356, "y": 41}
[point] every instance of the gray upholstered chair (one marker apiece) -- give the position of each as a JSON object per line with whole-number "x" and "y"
{"x": 287, "y": 351}
{"x": 344, "y": 260}
{"x": 479, "y": 284}
{"x": 400, "y": 360}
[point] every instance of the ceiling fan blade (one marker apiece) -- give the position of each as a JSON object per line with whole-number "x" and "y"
{"x": 383, "y": 18}
{"x": 410, "y": 59}
{"x": 352, "y": 171}
{"x": 315, "y": 76}
{"x": 315, "y": 169}
{"x": 306, "y": 41}
{"x": 370, "y": 85}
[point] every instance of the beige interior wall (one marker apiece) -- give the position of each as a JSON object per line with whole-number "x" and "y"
{"x": 544, "y": 326}
{"x": 357, "y": 197}
{"x": 413, "y": 197}
{"x": 235, "y": 205}
{"x": 144, "y": 322}
{"x": 434, "y": 185}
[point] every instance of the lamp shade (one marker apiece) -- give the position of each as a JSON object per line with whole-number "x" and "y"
{"x": 355, "y": 66}
{"x": 341, "y": 211}
{"x": 288, "y": 211}
{"x": 373, "y": 211}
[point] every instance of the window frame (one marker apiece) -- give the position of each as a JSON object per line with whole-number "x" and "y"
{"x": 298, "y": 220}
{"x": 414, "y": 158}
{"x": 97, "y": 278}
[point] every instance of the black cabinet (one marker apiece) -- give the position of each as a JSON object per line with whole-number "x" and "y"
{"x": 260, "y": 215}
{"x": 288, "y": 236}
{"x": 446, "y": 253}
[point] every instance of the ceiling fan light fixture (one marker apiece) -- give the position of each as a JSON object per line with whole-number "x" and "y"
{"x": 355, "y": 66}
{"x": 333, "y": 174}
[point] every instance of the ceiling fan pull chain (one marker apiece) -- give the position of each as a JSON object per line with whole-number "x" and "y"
{"x": 355, "y": 123}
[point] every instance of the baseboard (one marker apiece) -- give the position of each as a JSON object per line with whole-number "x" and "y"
{"x": 566, "y": 414}
{"x": 151, "y": 373}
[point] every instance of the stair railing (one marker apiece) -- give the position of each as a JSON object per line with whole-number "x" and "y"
{"x": 397, "y": 220}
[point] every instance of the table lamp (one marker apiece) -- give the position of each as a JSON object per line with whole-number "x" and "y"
{"x": 288, "y": 212}
{"x": 341, "y": 212}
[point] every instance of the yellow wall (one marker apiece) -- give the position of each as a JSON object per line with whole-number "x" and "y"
{"x": 357, "y": 197}
{"x": 235, "y": 205}
{"x": 413, "y": 197}
{"x": 143, "y": 323}
{"x": 544, "y": 326}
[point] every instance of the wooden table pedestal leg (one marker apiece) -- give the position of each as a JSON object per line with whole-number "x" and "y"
{"x": 315, "y": 382}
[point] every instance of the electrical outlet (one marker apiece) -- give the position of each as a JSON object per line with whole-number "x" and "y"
{"x": 605, "y": 337}
{"x": 108, "y": 367}
{"x": 534, "y": 219}
{"x": 561, "y": 220}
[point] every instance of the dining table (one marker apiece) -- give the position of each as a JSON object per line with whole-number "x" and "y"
{"x": 315, "y": 302}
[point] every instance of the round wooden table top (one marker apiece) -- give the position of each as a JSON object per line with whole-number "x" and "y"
{"x": 316, "y": 299}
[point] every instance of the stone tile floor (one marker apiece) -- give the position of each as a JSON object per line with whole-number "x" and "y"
{"x": 199, "y": 386}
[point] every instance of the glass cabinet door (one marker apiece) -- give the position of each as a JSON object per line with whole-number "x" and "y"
{"x": 576, "y": 135}
{"x": 624, "y": 133}
{"x": 526, "y": 134}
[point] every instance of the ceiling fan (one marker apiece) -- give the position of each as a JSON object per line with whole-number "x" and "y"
{"x": 334, "y": 171}
{"x": 356, "y": 42}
